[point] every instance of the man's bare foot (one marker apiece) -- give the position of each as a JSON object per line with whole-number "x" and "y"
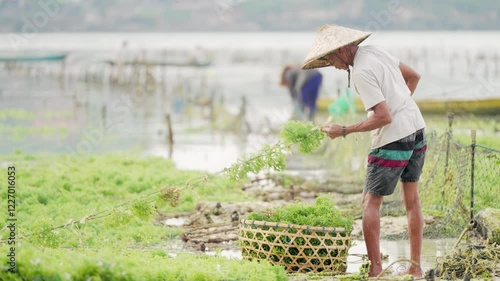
{"x": 414, "y": 271}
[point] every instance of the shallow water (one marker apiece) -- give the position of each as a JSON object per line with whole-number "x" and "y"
{"x": 431, "y": 249}
{"x": 396, "y": 250}
{"x": 77, "y": 117}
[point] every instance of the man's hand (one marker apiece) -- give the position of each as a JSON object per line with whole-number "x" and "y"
{"x": 332, "y": 130}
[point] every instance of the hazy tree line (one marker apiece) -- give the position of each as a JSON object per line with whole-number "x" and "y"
{"x": 244, "y": 15}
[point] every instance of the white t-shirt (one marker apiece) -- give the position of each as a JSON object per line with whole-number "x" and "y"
{"x": 377, "y": 77}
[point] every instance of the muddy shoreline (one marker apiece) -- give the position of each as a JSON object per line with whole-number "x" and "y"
{"x": 215, "y": 224}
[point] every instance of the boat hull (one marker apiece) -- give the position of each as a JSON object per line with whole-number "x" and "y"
{"x": 482, "y": 106}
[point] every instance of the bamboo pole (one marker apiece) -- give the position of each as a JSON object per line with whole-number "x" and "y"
{"x": 170, "y": 135}
{"x": 473, "y": 152}
{"x": 450, "y": 132}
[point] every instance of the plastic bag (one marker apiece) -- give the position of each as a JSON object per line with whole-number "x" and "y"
{"x": 343, "y": 105}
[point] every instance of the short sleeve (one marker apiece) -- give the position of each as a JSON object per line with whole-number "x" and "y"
{"x": 368, "y": 89}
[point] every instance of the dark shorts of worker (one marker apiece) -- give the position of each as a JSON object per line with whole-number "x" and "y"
{"x": 400, "y": 160}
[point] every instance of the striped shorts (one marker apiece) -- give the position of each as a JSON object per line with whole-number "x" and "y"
{"x": 402, "y": 159}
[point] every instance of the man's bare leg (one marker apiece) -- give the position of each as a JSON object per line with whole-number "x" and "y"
{"x": 415, "y": 217}
{"x": 371, "y": 231}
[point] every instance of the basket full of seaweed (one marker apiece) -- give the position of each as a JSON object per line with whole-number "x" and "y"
{"x": 299, "y": 236}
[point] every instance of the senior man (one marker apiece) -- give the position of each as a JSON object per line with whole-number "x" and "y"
{"x": 398, "y": 144}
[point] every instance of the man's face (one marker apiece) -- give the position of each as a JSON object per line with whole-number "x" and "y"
{"x": 335, "y": 60}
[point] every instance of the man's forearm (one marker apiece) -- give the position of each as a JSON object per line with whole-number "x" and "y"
{"x": 371, "y": 123}
{"x": 380, "y": 118}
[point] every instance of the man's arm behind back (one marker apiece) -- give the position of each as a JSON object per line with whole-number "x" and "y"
{"x": 410, "y": 76}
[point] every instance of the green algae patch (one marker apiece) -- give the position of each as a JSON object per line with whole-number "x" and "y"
{"x": 132, "y": 264}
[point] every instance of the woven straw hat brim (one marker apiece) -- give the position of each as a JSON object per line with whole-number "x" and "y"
{"x": 329, "y": 39}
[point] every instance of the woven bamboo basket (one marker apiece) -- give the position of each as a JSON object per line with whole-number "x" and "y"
{"x": 299, "y": 248}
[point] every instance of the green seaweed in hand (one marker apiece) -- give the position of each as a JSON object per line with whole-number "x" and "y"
{"x": 307, "y": 136}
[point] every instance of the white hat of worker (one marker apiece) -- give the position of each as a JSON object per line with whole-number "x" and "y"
{"x": 329, "y": 39}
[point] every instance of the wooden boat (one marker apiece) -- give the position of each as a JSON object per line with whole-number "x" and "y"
{"x": 480, "y": 106}
{"x": 34, "y": 58}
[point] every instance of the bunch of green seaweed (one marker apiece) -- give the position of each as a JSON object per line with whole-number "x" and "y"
{"x": 322, "y": 213}
{"x": 306, "y": 136}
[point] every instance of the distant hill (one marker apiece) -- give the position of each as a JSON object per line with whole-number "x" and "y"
{"x": 245, "y": 15}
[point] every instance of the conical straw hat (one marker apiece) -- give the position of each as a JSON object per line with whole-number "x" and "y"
{"x": 329, "y": 39}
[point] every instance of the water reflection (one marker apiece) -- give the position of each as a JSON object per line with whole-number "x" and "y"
{"x": 431, "y": 249}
